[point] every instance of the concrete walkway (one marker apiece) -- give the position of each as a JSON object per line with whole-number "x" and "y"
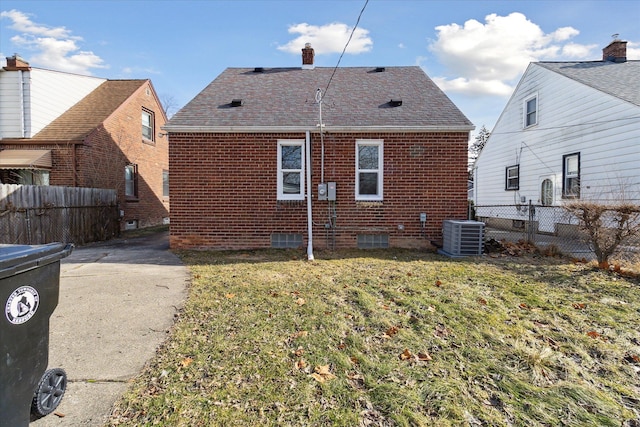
{"x": 117, "y": 302}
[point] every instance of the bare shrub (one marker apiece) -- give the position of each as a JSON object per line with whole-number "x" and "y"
{"x": 607, "y": 226}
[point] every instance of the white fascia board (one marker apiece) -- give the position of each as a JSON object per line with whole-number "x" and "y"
{"x": 295, "y": 129}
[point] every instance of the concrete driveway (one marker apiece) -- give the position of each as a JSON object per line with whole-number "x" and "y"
{"x": 117, "y": 302}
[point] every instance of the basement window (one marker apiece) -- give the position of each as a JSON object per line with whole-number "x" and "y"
{"x": 373, "y": 241}
{"x": 286, "y": 240}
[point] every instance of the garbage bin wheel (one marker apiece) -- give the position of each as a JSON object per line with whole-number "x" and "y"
{"x": 49, "y": 393}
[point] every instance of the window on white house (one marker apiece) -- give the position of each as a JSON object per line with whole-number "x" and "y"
{"x": 571, "y": 175}
{"x": 131, "y": 180}
{"x": 290, "y": 170}
{"x": 513, "y": 178}
{"x": 369, "y": 169}
{"x": 147, "y": 125}
{"x": 531, "y": 111}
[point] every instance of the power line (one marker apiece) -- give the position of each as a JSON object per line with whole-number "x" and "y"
{"x": 345, "y": 46}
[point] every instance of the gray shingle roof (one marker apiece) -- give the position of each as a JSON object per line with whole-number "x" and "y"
{"x": 284, "y": 99}
{"x": 621, "y": 79}
{"x": 90, "y": 112}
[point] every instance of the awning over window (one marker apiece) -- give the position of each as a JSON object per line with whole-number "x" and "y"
{"x": 25, "y": 159}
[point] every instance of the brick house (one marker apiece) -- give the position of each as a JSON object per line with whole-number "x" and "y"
{"x": 250, "y": 167}
{"x": 79, "y": 131}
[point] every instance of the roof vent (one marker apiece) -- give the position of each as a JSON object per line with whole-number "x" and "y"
{"x": 258, "y": 70}
{"x": 395, "y": 102}
{"x": 236, "y": 103}
{"x": 380, "y": 69}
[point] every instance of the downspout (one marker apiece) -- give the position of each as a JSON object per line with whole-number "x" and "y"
{"x": 22, "y": 112}
{"x": 307, "y": 156}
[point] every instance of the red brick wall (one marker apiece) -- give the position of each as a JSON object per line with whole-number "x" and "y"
{"x": 121, "y": 141}
{"x": 224, "y": 196}
{"x": 99, "y": 162}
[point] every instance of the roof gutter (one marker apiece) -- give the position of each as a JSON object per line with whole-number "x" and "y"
{"x": 287, "y": 129}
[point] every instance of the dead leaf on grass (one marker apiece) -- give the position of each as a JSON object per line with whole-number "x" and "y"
{"x": 593, "y": 334}
{"x": 230, "y": 296}
{"x": 300, "y": 334}
{"x": 322, "y": 374}
{"x": 524, "y": 306}
{"x": 578, "y": 306}
{"x": 438, "y": 283}
{"x": 186, "y": 362}
{"x": 441, "y": 331}
{"x": 482, "y": 301}
{"x": 301, "y": 301}
{"x": 424, "y": 357}
{"x": 392, "y": 331}
{"x": 632, "y": 358}
{"x": 406, "y": 355}
{"x": 301, "y": 364}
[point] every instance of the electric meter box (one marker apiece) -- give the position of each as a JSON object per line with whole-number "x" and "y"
{"x": 331, "y": 191}
{"x": 322, "y": 191}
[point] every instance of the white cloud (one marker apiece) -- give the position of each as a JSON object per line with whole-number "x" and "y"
{"x": 330, "y": 38}
{"x": 633, "y": 51}
{"x": 487, "y": 58}
{"x": 54, "y": 47}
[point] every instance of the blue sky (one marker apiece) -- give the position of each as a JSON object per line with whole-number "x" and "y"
{"x": 476, "y": 51}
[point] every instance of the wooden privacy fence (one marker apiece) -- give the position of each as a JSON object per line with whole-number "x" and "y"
{"x": 31, "y": 214}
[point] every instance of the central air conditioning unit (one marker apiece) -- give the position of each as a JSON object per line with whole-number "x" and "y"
{"x": 462, "y": 238}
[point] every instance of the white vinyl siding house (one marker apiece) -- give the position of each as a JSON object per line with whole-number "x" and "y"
{"x": 584, "y": 145}
{"x": 42, "y": 96}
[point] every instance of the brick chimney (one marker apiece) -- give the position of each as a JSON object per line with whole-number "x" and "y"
{"x": 15, "y": 63}
{"x": 307, "y": 57}
{"x": 615, "y": 52}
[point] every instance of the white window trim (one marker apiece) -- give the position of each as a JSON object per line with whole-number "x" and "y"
{"x": 516, "y": 177}
{"x": 151, "y": 126}
{"x": 524, "y": 111}
{"x": 370, "y": 197}
{"x": 280, "y": 183}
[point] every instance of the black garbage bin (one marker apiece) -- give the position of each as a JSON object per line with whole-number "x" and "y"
{"x": 29, "y": 289}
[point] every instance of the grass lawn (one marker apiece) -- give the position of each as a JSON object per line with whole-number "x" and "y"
{"x": 386, "y": 338}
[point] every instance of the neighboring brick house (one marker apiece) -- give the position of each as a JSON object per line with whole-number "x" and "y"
{"x": 393, "y": 152}
{"x": 71, "y": 130}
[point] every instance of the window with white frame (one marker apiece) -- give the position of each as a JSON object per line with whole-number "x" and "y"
{"x": 369, "y": 169}
{"x": 531, "y": 111}
{"x": 147, "y": 125}
{"x": 571, "y": 175}
{"x": 290, "y": 170}
{"x": 512, "y": 181}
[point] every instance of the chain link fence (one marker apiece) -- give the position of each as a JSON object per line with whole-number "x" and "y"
{"x": 552, "y": 229}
